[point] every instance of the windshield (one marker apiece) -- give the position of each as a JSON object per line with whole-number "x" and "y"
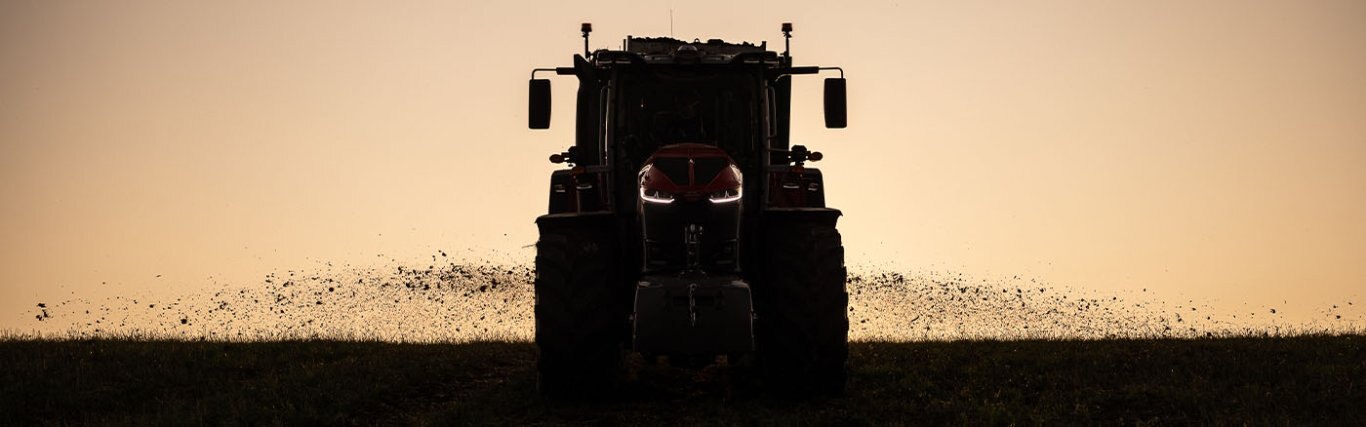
{"x": 666, "y": 106}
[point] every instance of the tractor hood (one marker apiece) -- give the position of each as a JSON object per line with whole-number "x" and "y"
{"x": 689, "y": 172}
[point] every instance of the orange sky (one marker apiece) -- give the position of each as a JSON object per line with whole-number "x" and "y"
{"x": 1212, "y": 150}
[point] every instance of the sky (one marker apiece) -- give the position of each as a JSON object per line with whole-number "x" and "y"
{"x": 1211, "y": 150}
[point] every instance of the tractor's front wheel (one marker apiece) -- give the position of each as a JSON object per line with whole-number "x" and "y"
{"x": 577, "y": 324}
{"x": 801, "y": 320}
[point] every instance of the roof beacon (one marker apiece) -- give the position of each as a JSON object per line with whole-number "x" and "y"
{"x": 787, "y": 39}
{"x": 586, "y": 28}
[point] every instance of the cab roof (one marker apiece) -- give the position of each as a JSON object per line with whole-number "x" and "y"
{"x": 666, "y": 50}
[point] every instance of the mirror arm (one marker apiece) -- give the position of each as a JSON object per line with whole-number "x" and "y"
{"x": 557, "y": 70}
{"x": 792, "y": 71}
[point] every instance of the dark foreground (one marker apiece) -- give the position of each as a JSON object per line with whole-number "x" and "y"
{"x": 1301, "y": 380}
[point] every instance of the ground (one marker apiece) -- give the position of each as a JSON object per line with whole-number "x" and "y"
{"x": 1287, "y": 380}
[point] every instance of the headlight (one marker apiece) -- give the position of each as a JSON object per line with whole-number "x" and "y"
{"x": 656, "y": 196}
{"x": 725, "y": 196}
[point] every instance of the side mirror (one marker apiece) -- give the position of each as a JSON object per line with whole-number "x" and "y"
{"x": 538, "y": 105}
{"x": 836, "y": 108}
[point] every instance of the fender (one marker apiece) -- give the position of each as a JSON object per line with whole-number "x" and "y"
{"x": 821, "y": 216}
{"x": 576, "y": 220}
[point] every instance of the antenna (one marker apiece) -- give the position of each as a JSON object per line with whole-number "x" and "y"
{"x": 671, "y": 23}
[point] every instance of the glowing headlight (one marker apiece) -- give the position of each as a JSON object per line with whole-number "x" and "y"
{"x": 656, "y": 196}
{"x": 725, "y": 196}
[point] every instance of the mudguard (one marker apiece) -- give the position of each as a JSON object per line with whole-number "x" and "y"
{"x": 819, "y": 216}
{"x": 574, "y": 220}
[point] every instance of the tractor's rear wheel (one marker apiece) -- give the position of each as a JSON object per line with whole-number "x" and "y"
{"x": 577, "y": 315}
{"x": 801, "y": 320}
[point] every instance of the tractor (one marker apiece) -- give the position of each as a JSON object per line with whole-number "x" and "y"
{"x": 685, "y": 226}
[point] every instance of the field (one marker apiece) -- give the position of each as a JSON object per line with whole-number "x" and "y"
{"x": 1275, "y": 380}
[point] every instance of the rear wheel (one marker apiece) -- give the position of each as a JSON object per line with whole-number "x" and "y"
{"x": 801, "y": 320}
{"x": 578, "y": 316}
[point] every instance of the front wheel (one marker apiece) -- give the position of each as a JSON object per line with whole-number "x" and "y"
{"x": 577, "y": 314}
{"x": 800, "y": 309}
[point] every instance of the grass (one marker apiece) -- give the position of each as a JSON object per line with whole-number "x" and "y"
{"x": 1286, "y": 380}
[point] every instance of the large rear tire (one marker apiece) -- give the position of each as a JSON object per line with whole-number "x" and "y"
{"x": 800, "y": 309}
{"x": 578, "y": 316}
